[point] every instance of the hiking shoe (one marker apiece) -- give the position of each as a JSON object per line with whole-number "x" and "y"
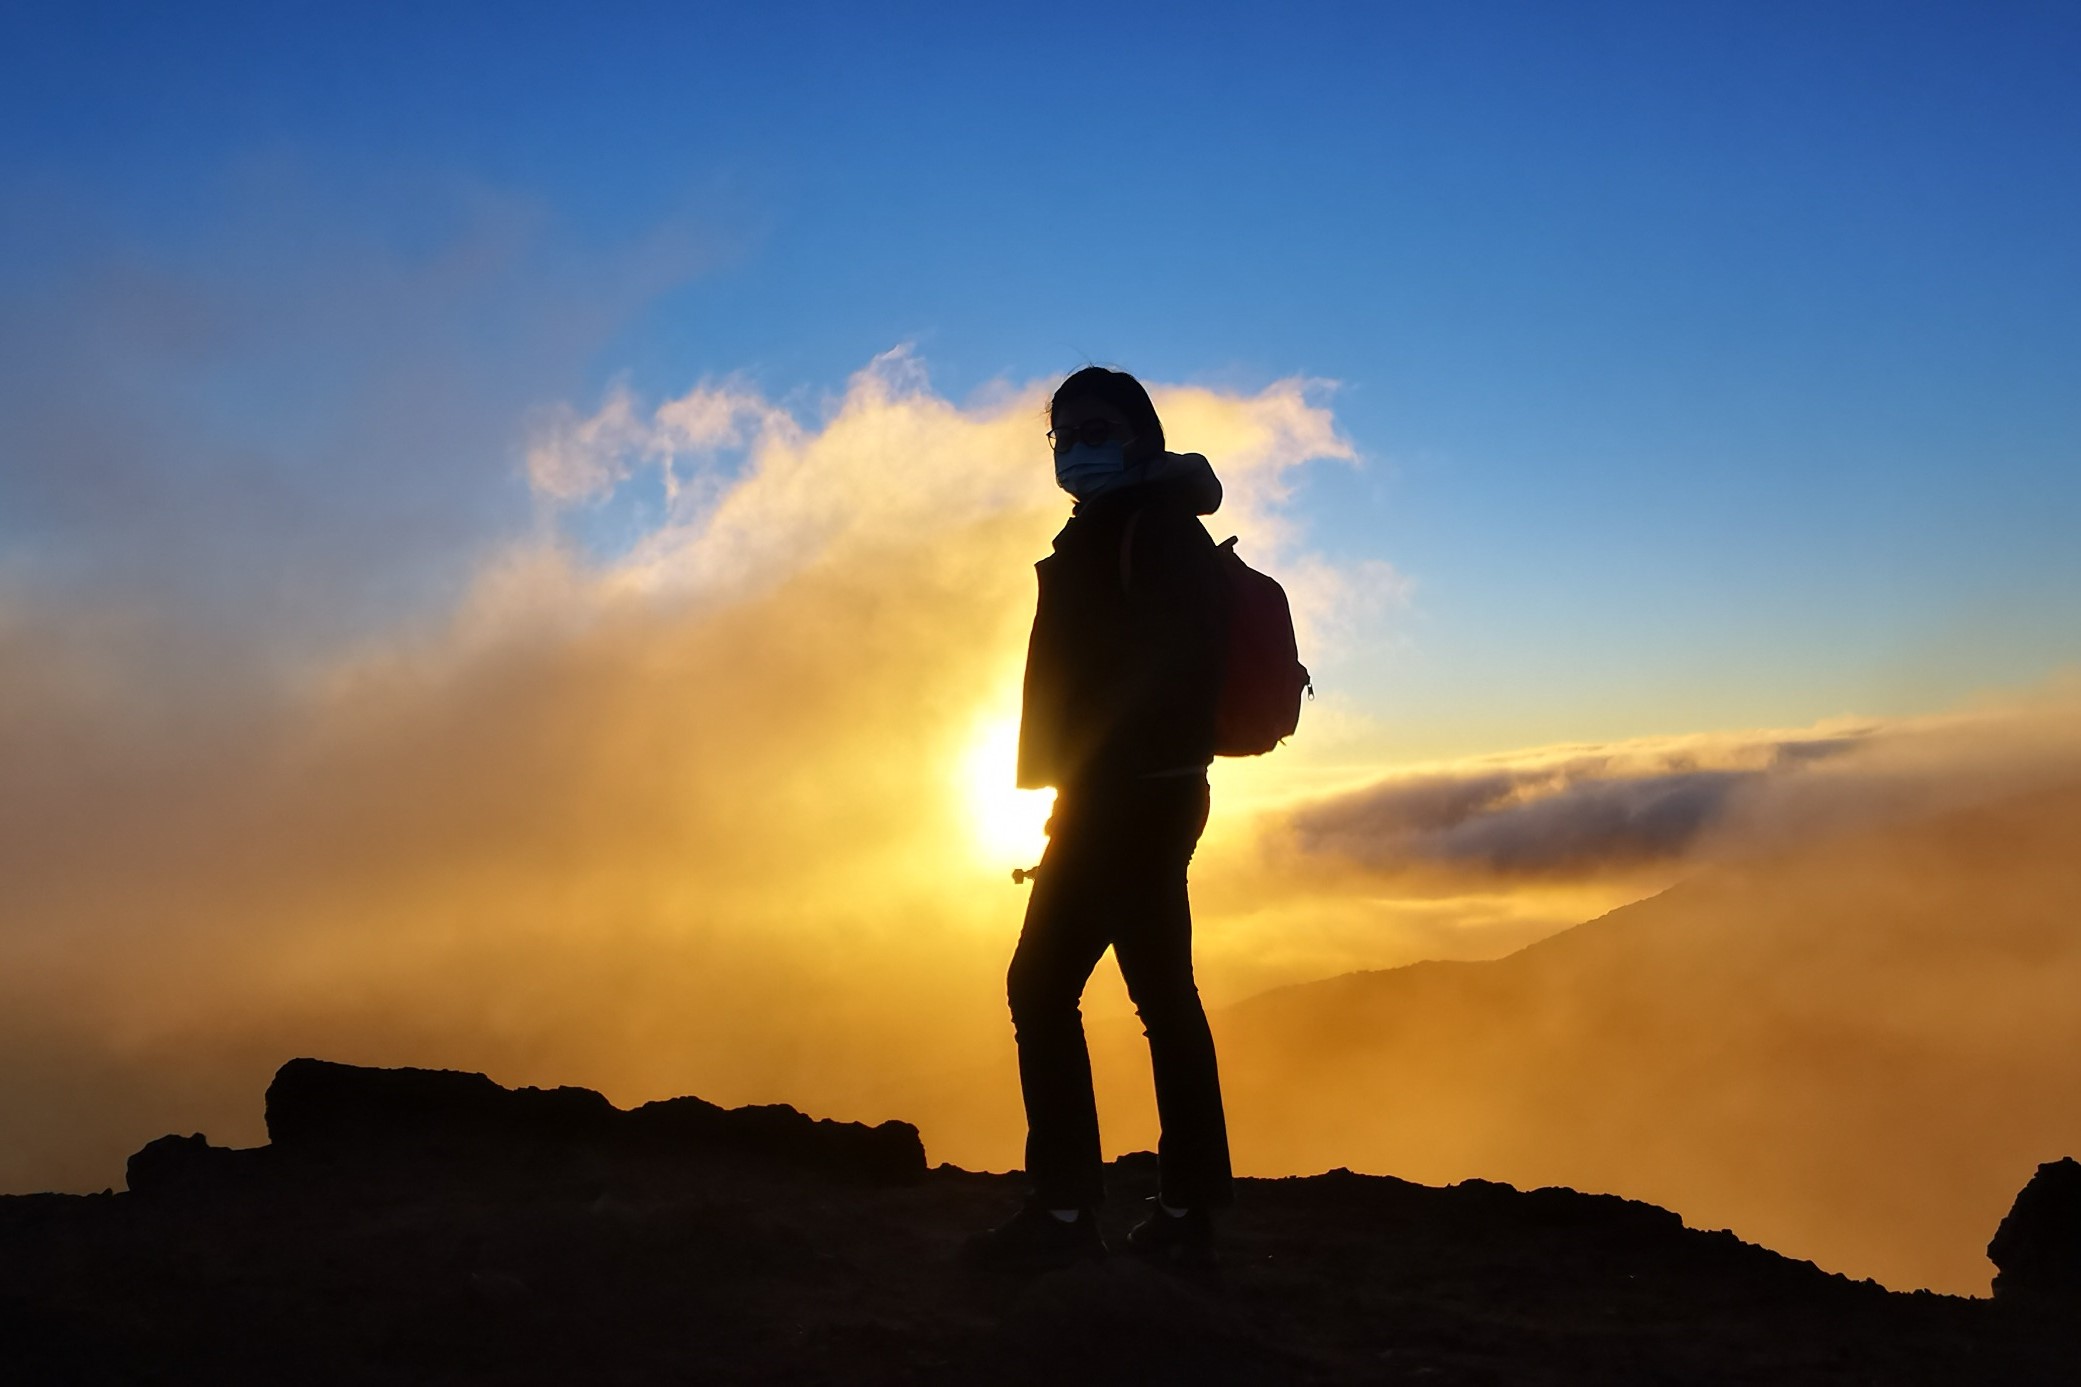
{"x": 1035, "y": 1240}
{"x": 1186, "y": 1237}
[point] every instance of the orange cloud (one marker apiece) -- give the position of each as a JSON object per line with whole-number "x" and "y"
{"x": 699, "y": 813}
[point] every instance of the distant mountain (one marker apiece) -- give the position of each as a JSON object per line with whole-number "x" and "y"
{"x": 1854, "y": 1051}
{"x": 421, "y": 1226}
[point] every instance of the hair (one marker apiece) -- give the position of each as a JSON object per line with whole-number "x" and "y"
{"x": 1124, "y": 393}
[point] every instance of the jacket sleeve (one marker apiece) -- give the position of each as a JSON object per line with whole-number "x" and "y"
{"x": 1042, "y": 697}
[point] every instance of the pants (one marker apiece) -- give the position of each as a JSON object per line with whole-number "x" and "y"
{"x": 1114, "y": 874}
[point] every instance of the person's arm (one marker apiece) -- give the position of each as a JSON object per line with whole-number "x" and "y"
{"x": 1042, "y": 698}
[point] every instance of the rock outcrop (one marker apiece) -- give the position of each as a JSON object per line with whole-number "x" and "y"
{"x": 176, "y": 1166}
{"x": 327, "y": 1120}
{"x": 2037, "y": 1249}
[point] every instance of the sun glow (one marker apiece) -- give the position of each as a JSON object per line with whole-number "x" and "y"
{"x": 1005, "y": 824}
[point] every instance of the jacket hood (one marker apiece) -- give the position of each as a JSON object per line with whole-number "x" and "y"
{"x": 1188, "y": 477}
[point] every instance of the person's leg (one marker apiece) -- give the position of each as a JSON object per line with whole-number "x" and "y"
{"x": 1153, "y": 942}
{"x": 1065, "y": 933}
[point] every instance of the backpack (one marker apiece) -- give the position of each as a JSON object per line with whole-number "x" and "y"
{"x": 1262, "y": 677}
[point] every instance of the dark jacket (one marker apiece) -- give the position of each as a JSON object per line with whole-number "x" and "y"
{"x": 1123, "y": 668}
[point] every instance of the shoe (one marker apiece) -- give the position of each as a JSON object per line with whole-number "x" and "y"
{"x": 1186, "y": 1237}
{"x": 1035, "y": 1240}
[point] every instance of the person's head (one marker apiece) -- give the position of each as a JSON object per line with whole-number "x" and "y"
{"x": 1098, "y": 406}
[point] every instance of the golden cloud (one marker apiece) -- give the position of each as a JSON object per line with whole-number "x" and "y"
{"x": 699, "y": 813}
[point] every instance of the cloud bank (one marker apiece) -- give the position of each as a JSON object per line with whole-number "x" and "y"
{"x": 1565, "y": 812}
{"x": 1649, "y": 806}
{"x": 679, "y": 795}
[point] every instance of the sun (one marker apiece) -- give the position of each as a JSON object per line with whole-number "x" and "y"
{"x": 1004, "y": 823}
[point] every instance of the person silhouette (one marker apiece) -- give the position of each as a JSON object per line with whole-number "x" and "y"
{"x": 1123, "y": 669}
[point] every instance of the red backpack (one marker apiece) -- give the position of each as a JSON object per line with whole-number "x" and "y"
{"x": 1262, "y": 677}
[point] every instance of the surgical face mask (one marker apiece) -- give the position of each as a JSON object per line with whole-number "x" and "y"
{"x": 1085, "y": 470}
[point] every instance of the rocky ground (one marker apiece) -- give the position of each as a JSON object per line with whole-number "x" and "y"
{"x": 415, "y": 1227}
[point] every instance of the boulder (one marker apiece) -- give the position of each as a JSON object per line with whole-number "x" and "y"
{"x": 2037, "y": 1249}
{"x": 324, "y": 1113}
{"x": 888, "y": 1153}
{"x": 320, "y": 1110}
{"x": 330, "y": 1122}
{"x": 176, "y": 1166}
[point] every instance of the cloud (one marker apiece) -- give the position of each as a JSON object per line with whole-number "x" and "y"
{"x": 582, "y": 459}
{"x": 573, "y": 458}
{"x": 1559, "y": 812}
{"x": 1655, "y": 807}
{"x": 692, "y": 811}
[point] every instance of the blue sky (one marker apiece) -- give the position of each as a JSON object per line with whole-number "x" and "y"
{"x": 1712, "y": 365}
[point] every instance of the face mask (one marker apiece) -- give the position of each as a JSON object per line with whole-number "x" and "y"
{"x": 1084, "y": 471}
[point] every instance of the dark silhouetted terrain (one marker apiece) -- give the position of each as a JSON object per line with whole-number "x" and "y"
{"x": 423, "y": 1227}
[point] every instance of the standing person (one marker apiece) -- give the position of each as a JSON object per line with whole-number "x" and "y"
{"x": 1122, "y": 675}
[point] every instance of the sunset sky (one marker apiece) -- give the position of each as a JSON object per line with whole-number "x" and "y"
{"x": 506, "y": 511}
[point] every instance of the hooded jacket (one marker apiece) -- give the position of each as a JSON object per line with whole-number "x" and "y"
{"x": 1124, "y": 664}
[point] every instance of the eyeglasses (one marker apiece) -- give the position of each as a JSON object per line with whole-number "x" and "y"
{"x": 1092, "y": 432}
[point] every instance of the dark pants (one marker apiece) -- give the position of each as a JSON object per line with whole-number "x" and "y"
{"x": 1114, "y": 874}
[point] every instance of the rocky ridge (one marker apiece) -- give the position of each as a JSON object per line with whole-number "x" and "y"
{"x": 415, "y": 1226}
